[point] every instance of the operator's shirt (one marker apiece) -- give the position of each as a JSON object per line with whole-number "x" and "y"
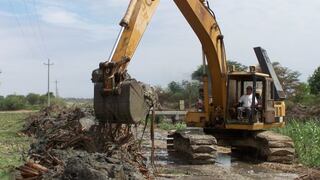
{"x": 247, "y": 100}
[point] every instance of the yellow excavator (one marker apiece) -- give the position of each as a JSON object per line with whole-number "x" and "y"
{"x": 119, "y": 99}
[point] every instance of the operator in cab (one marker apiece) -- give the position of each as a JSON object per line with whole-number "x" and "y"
{"x": 245, "y": 103}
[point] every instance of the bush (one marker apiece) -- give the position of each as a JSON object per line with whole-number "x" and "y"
{"x": 14, "y": 102}
{"x": 169, "y": 126}
{"x": 58, "y": 102}
{"x": 33, "y": 99}
{"x": 1, "y": 102}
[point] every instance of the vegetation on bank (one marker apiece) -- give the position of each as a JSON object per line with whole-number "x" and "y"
{"x": 306, "y": 137}
{"x": 12, "y": 144}
{"x": 31, "y": 101}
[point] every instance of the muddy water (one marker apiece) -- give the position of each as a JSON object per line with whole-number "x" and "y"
{"x": 173, "y": 166}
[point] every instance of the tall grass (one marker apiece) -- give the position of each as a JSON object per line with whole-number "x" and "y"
{"x": 306, "y": 137}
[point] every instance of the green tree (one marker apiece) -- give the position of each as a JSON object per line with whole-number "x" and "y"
{"x": 175, "y": 87}
{"x": 14, "y": 102}
{"x": 191, "y": 92}
{"x": 197, "y": 74}
{"x": 44, "y": 98}
{"x": 33, "y": 98}
{"x": 288, "y": 78}
{"x": 2, "y": 103}
{"x": 314, "y": 82}
{"x": 301, "y": 92}
{"x": 238, "y": 66}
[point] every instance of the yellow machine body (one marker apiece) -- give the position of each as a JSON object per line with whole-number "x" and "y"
{"x": 204, "y": 24}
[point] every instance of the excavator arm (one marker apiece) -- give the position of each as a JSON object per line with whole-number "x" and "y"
{"x": 111, "y": 74}
{"x": 134, "y": 24}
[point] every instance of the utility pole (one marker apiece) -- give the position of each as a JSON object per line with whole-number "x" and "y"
{"x": 48, "y": 64}
{"x": 57, "y": 93}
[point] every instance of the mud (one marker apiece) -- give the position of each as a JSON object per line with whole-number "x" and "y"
{"x": 69, "y": 144}
{"x": 228, "y": 166}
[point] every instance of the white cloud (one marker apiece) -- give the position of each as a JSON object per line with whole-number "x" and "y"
{"x": 60, "y": 16}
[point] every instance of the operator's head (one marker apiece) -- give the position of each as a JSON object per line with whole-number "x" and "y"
{"x": 249, "y": 90}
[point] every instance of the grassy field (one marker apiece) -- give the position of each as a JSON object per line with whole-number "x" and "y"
{"x": 12, "y": 145}
{"x": 306, "y": 136}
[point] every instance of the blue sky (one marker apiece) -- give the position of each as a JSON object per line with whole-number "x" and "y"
{"x": 77, "y": 35}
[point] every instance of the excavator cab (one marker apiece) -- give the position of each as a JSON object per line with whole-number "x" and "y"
{"x": 263, "y": 112}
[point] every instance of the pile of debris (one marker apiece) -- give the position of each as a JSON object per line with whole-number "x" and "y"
{"x": 70, "y": 144}
{"x": 300, "y": 111}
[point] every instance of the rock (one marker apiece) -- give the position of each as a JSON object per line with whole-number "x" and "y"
{"x": 87, "y": 123}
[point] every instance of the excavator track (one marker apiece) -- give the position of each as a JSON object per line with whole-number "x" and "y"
{"x": 275, "y": 147}
{"x": 263, "y": 145}
{"x": 194, "y": 145}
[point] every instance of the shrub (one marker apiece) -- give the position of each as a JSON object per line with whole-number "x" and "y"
{"x": 33, "y": 99}
{"x": 169, "y": 126}
{"x": 14, "y": 102}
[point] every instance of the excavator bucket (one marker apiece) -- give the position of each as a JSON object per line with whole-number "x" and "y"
{"x": 130, "y": 106}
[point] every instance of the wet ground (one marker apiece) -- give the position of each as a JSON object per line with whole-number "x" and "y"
{"x": 172, "y": 166}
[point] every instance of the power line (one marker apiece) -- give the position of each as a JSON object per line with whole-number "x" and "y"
{"x": 30, "y": 16}
{"x": 38, "y": 46}
{"x": 26, "y": 41}
{"x": 48, "y": 92}
{"x": 40, "y": 31}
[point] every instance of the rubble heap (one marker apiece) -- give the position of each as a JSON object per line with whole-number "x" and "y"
{"x": 300, "y": 111}
{"x": 70, "y": 144}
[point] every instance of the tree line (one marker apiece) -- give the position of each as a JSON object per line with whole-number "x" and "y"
{"x": 296, "y": 91}
{"x": 307, "y": 93}
{"x": 187, "y": 90}
{"x": 30, "y": 101}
